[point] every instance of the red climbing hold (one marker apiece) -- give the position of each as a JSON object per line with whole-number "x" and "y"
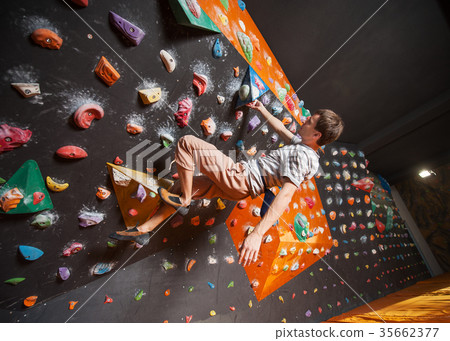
{"x": 108, "y": 299}
{"x": 118, "y": 161}
{"x": 188, "y": 318}
{"x": 38, "y": 197}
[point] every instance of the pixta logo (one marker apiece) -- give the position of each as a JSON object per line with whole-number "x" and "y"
{"x": 147, "y": 155}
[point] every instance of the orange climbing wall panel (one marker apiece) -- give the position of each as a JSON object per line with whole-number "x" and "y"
{"x": 261, "y": 54}
{"x": 272, "y": 270}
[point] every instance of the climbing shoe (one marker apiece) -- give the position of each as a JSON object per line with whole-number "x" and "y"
{"x": 172, "y": 200}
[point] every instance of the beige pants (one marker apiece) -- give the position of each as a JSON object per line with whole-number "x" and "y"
{"x": 222, "y": 177}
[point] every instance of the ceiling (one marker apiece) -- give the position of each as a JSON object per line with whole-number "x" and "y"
{"x": 384, "y": 66}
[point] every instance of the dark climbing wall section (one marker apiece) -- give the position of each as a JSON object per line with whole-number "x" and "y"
{"x": 67, "y": 81}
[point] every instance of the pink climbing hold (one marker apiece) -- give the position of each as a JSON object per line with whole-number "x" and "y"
{"x": 194, "y": 7}
{"x": 238, "y": 114}
{"x": 183, "y": 113}
{"x": 309, "y": 202}
{"x": 85, "y": 114}
{"x": 12, "y": 137}
{"x": 242, "y": 204}
{"x": 71, "y": 152}
{"x": 72, "y": 249}
{"x": 200, "y": 82}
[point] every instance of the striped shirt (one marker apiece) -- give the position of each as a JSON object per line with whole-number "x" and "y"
{"x": 295, "y": 161}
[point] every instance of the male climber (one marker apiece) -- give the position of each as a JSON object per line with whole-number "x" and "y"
{"x": 286, "y": 167}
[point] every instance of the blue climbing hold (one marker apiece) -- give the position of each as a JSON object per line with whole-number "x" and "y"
{"x": 212, "y": 286}
{"x": 30, "y": 253}
{"x": 240, "y": 144}
{"x": 217, "y": 51}
{"x": 102, "y": 268}
{"x": 301, "y": 104}
{"x": 241, "y": 4}
{"x": 276, "y": 110}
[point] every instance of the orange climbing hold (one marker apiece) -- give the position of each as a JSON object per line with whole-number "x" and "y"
{"x": 190, "y": 264}
{"x": 167, "y": 292}
{"x": 351, "y": 200}
{"x": 367, "y": 199}
{"x": 195, "y": 221}
{"x": 72, "y": 304}
{"x": 332, "y": 215}
{"x": 30, "y": 301}
{"x": 102, "y": 193}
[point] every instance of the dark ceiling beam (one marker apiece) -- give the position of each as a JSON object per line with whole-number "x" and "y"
{"x": 406, "y": 124}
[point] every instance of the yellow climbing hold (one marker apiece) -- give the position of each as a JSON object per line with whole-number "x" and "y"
{"x": 212, "y": 313}
{"x": 220, "y": 204}
{"x": 55, "y": 186}
{"x": 283, "y": 320}
{"x": 250, "y": 303}
{"x": 281, "y": 299}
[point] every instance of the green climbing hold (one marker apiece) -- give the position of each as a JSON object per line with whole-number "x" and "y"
{"x": 112, "y": 244}
{"x": 286, "y": 267}
{"x": 246, "y": 45}
{"x": 225, "y": 4}
{"x": 231, "y": 284}
{"x": 14, "y": 281}
{"x": 44, "y": 219}
{"x": 311, "y": 274}
{"x": 358, "y": 268}
{"x": 29, "y": 179}
{"x": 282, "y": 94}
{"x": 329, "y": 306}
{"x": 287, "y": 87}
{"x": 389, "y": 216}
{"x": 191, "y": 289}
{"x": 301, "y": 227}
{"x": 139, "y": 295}
{"x": 167, "y": 265}
{"x": 212, "y": 239}
{"x": 2, "y": 181}
{"x": 192, "y": 16}
{"x": 352, "y": 154}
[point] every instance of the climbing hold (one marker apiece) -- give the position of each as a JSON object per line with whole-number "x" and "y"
{"x": 167, "y": 265}
{"x": 241, "y": 4}
{"x": 238, "y": 114}
{"x": 250, "y": 303}
{"x": 118, "y": 161}
{"x": 217, "y": 51}
{"x": 183, "y": 112}
{"x": 212, "y": 313}
{"x": 226, "y": 135}
{"x": 220, "y": 99}
{"x": 276, "y": 110}
{"x": 191, "y": 289}
{"x": 220, "y": 204}
{"x": 120, "y": 179}
{"x": 102, "y": 193}
{"x": 74, "y": 248}
{"x": 71, "y": 152}
{"x": 38, "y": 197}
{"x": 212, "y": 286}
{"x": 82, "y": 3}
{"x": 134, "y": 128}
{"x": 195, "y": 221}
{"x": 246, "y": 45}
{"x": 286, "y": 120}
{"x": 255, "y": 284}
{"x": 130, "y": 31}
{"x": 205, "y": 202}
{"x": 242, "y": 204}
{"x": 106, "y": 72}
{"x": 72, "y": 304}
{"x": 225, "y": 4}
{"x": 30, "y": 301}
{"x": 230, "y": 285}
{"x": 309, "y": 202}
{"x": 140, "y": 194}
{"x": 212, "y": 239}
{"x": 253, "y": 123}
{"x": 44, "y": 219}
{"x": 268, "y": 239}
{"x": 86, "y": 113}
{"x": 232, "y": 308}
{"x": 55, "y": 186}
{"x": 256, "y": 212}
{"x": 224, "y": 19}
{"x": 210, "y": 221}
{"x": 190, "y": 264}
{"x": 167, "y": 292}
{"x": 200, "y": 82}
{"x": 12, "y": 137}
{"x": 90, "y": 218}
{"x": 255, "y": 41}
{"x": 366, "y": 184}
{"x": 63, "y": 273}
{"x": 47, "y": 38}
{"x": 168, "y": 60}
{"x": 132, "y": 212}
{"x": 167, "y": 140}
{"x": 175, "y": 176}
{"x": 188, "y": 318}
{"x": 14, "y": 281}
{"x": 30, "y": 253}
{"x": 194, "y": 7}
{"x": 236, "y": 71}
{"x": 27, "y": 89}
{"x": 102, "y": 268}
{"x": 10, "y": 199}
{"x": 244, "y": 91}
{"x": 209, "y": 127}
{"x": 108, "y": 299}
{"x": 149, "y": 96}
{"x": 233, "y": 222}
{"x": 274, "y": 138}
{"x": 252, "y": 151}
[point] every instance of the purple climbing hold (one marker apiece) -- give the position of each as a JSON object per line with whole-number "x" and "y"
{"x": 130, "y": 31}
{"x": 308, "y": 313}
{"x": 140, "y": 194}
{"x": 274, "y": 138}
{"x": 63, "y": 273}
{"x": 254, "y": 122}
{"x": 265, "y": 99}
{"x": 90, "y": 218}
